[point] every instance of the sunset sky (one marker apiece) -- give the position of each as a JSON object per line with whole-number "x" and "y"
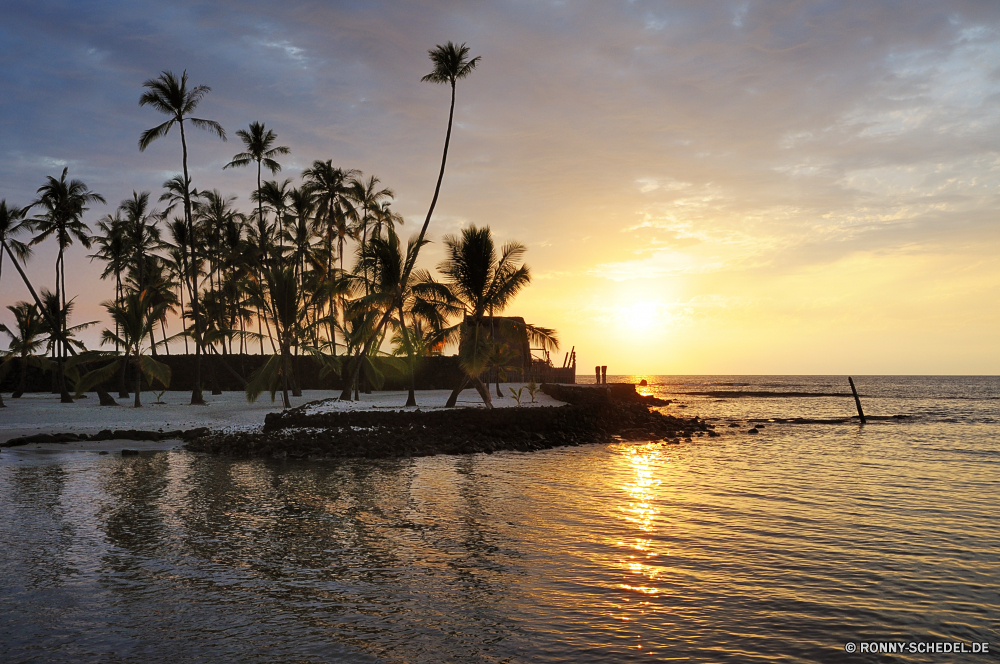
{"x": 704, "y": 187}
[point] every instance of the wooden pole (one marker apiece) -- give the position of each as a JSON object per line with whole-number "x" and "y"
{"x": 857, "y": 401}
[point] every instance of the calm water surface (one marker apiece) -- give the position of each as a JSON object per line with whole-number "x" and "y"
{"x": 777, "y": 547}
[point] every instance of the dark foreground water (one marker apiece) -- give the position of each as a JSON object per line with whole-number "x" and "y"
{"x": 783, "y": 546}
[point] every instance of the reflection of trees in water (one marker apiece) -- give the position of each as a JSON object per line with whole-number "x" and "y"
{"x": 311, "y": 532}
{"x": 133, "y": 518}
{"x": 342, "y": 550}
{"x": 37, "y": 537}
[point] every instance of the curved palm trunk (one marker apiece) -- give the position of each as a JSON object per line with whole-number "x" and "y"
{"x": 411, "y": 260}
{"x": 484, "y": 392}
{"x": 196, "y": 397}
{"x": 106, "y": 399}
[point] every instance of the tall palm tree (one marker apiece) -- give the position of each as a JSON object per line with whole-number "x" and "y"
{"x": 171, "y": 97}
{"x": 451, "y": 64}
{"x": 369, "y": 197}
{"x": 63, "y": 204}
{"x": 261, "y": 237}
{"x": 260, "y": 147}
{"x": 113, "y": 250}
{"x": 332, "y": 191}
{"x": 486, "y": 282}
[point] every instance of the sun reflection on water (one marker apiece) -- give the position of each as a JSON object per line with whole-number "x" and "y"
{"x": 641, "y": 511}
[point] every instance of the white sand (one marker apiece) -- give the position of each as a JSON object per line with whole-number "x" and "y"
{"x": 42, "y": 413}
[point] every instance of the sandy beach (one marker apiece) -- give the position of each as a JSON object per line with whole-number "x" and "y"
{"x": 43, "y": 413}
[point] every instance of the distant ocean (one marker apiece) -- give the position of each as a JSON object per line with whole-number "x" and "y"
{"x": 793, "y": 544}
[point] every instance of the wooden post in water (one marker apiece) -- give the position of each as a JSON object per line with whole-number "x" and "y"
{"x": 857, "y": 401}
{"x": 597, "y": 370}
{"x": 604, "y": 375}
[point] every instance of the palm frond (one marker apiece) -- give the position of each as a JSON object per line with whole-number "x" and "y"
{"x": 154, "y": 370}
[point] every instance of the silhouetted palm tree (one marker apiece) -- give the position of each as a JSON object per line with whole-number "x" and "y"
{"x": 384, "y": 216}
{"x": 369, "y": 199}
{"x": 63, "y": 204}
{"x": 451, "y": 63}
{"x": 279, "y": 297}
{"x": 135, "y": 317}
{"x": 259, "y": 144}
{"x": 178, "y": 265}
{"x": 61, "y": 334}
{"x": 332, "y": 191}
{"x": 381, "y": 261}
{"x": 171, "y": 96}
{"x": 141, "y": 233}
{"x": 486, "y": 283}
{"x": 25, "y": 341}
{"x": 114, "y": 251}
{"x": 12, "y": 222}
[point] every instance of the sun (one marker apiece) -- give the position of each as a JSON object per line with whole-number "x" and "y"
{"x": 640, "y": 317}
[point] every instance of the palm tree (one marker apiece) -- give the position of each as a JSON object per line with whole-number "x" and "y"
{"x": 451, "y": 63}
{"x": 277, "y": 197}
{"x": 171, "y": 96}
{"x": 113, "y": 250}
{"x": 279, "y": 298}
{"x": 486, "y": 283}
{"x": 135, "y": 317}
{"x": 259, "y": 144}
{"x": 25, "y": 341}
{"x": 423, "y": 298}
{"x": 141, "y": 233}
{"x": 12, "y": 221}
{"x": 369, "y": 198}
{"x": 63, "y": 203}
{"x": 61, "y": 334}
{"x": 332, "y": 192}
{"x": 177, "y": 263}
{"x": 9, "y": 225}
{"x": 298, "y": 234}
{"x": 385, "y": 216}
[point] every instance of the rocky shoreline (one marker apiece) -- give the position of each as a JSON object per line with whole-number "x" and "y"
{"x": 597, "y": 417}
{"x": 107, "y": 434}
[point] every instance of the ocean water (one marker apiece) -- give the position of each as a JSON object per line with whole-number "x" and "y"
{"x": 781, "y": 546}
